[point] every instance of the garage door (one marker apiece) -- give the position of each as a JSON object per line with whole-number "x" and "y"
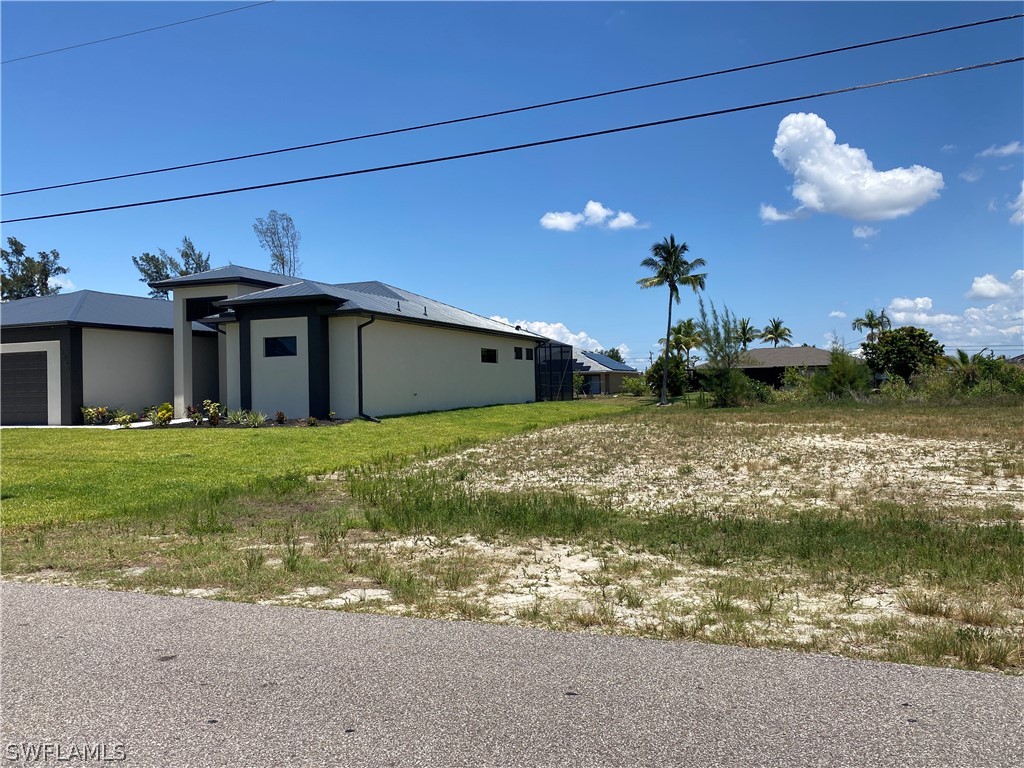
{"x": 23, "y": 388}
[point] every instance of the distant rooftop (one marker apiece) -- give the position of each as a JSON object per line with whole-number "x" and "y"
{"x": 594, "y": 362}
{"x": 90, "y": 308}
{"x": 786, "y": 357}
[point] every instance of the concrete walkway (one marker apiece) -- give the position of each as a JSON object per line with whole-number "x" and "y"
{"x": 189, "y": 682}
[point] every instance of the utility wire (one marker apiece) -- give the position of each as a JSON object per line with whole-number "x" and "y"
{"x": 515, "y": 110}
{"x": 527, "y": 145}
{"x": 130, "y": 34}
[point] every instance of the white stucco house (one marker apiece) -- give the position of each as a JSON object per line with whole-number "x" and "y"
{"x": 355, "y": 349}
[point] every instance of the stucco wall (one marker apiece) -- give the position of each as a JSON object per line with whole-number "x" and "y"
{"x": 126, "y": 369}
{"x": 233, "y": 395}
{"x": 344, "y": 395}
{"x": 280, "y": 383}
{"x": 409, "y": 368}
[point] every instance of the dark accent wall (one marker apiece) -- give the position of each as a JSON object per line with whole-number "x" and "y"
{"x": 70, "y": 338}
{"x": 318, "y": 337}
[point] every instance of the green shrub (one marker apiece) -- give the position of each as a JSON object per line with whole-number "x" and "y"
{"x": 729, "y": 386}
{"x": 635, "y": 386}
{"x": 235, "y": 417}
{"x": 678, "y": 380}
{"x": 254, "y": 419}
{"x": 161, "y": 415}
{"x": 195, "y": 413}
{"x": 311, "y": 421}
{"x": 98, "y": 414}
{"x": 844, "y": 377}
{"x": 896, "y": 389}
{"x": 214, "y": 412}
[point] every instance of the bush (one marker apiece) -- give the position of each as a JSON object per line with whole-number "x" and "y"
{"x": 98, "y": 414}
{"x": 235, "y": 417}
{"x": 279, "y": 417}
{"x": 311, "y": 421}
{"x": 213, "y": 412}
{"x": 729, "y": 386}
{"x": 678, "y": 379}
{"x": 161, "y": 415}
{"x": 195, "y": 413}
{"x": 254, "y": 419}
{"x": 844, "y": 377}
{"x": 635, "y": 386}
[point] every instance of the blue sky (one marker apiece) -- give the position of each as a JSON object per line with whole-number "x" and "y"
{"x": 906, "y": 197}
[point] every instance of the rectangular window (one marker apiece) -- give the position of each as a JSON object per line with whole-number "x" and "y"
{"x": 280, "y": 346}
{"x": 488, "y": 355}
{"x": 519, "y": 353}
{"x": 529, "y": 353}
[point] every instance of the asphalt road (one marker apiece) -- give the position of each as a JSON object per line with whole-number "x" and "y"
{"x": 164, "y": 681}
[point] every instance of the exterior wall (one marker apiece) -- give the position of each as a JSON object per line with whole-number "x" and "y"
{"x": 344, "y": 365}
{"x": 232, "y": 396}
{"x": 126, "y": 369}
{"x": 280, "y": 383}
{"x": 53, "y": 373}
{"x": 409, "y": 368}
{"x": 184, "y": 357}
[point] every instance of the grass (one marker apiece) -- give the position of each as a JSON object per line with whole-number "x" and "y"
{"x": 861, "y": 552}
{"x": 61, "y": 476}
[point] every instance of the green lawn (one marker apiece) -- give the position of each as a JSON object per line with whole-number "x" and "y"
{"x": 53, "y": 476}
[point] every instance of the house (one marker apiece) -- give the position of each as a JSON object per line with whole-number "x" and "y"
{"x": 769, "y": 364}
{"x": 266, "y": 342}
{"x": 58, "y": 353}
{"x": 355, "y": 349}
{"x": 602, "y": 375}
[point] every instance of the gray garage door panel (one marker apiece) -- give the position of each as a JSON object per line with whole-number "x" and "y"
{"x": 23, "y": 388}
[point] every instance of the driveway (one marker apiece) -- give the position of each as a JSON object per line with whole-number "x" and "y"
{"x": 163, "y": 681}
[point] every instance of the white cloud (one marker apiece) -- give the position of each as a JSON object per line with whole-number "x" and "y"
{"x": 64, "y": 283}
{"x": 997, "y": 323}
{"x": 594, "y": 215}
{"x": 988, "y": 287}
{"x": 1013, "y": 148}
{"x": 564, "y": 221}
{"x": 948, "y": 149}
{"x": 771, "y": 214}
{"x": 1017, "y": 206}
{"x": 864, "y": 231}
{"x": 837, "y": 313}
{"x": 910, "y": 305}
{"x": 556, "y": 331}
{"x": 625, "y": 220}
{"x": 840, "y": 179}
{"x": 972, "y": 174}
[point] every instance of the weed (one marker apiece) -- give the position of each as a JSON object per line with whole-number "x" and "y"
{"x": 254, "y": 559}
{"x": 292, "y": 556}
{"x": 924, "y": 604}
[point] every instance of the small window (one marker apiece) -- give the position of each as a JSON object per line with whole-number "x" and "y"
{"x": 488, "y": 355}
{"x": 280, "y": 346}
{"x": 519, "y": 353}
{"x": 529, "y": 353}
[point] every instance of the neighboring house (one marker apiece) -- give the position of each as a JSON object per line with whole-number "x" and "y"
{"x": 769, "y": 364}
{"x": 356, "y": 349}
{"x": 59, "y": 353}
{"x": 602, "y": 375}
{"x": 1016, "y": 360}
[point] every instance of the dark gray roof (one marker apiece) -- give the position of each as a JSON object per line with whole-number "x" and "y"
{"x": 786, "y": 357}
{"x": 90, "y": 308}
{"x": 593, "y": 362}
{"x": 379, "y": 299}
{"x": 229, "y": 274}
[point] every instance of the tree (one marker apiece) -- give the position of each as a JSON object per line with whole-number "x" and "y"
{"x": 670, "y": 268}
{"x": 873, "y": 323}
{"x": 613, "y": 353}
{"x": 902, "y": 352}
{"x": 746, "y": 333}
{"x": 155, "y": 268}
{"x": 724, "y": 351}
{"x": 277, "y": 235}
{"x": 23, "y": 276}
{"x": 776, "y": 332}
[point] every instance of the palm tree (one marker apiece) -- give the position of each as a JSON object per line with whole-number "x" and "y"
{"x": 967, "y": 368}
{"x": 670, "y": 268}
{"x": 776, "y": 332}
{"x": 688, "y": 338}
{"x": 746, "y": 332}
{"x": 873, "y": 323}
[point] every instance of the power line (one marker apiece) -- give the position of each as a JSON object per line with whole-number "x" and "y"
{"x": 130, "y": 34}
{"x": 516, "y": 147}
{"x": 515, "y": 110}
